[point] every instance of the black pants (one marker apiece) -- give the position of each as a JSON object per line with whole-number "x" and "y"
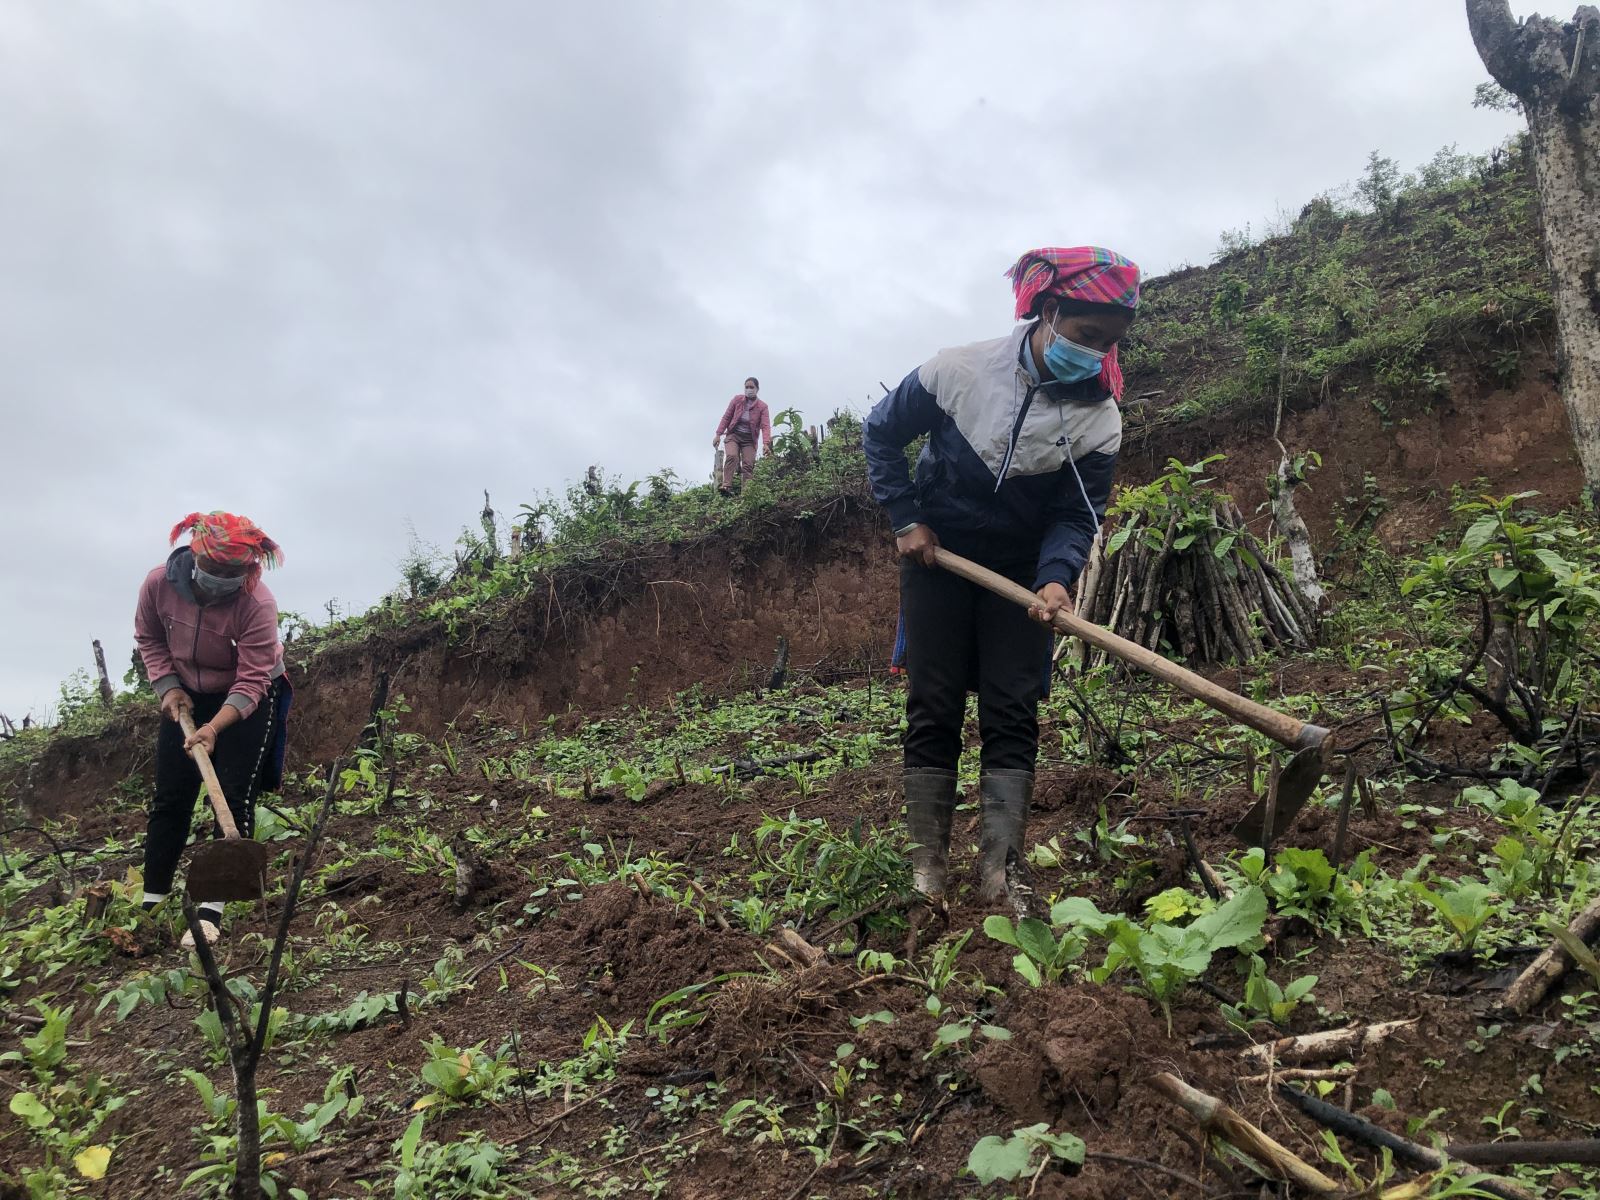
{"x": 960, "y": 638}
{"x": 241, "y": 754}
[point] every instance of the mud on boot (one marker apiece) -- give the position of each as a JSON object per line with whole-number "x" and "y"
{"x": 930, "y": 807}
{"x": 1006, "y": 796}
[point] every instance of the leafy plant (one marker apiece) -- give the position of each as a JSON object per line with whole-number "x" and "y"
{"x": 465, "y": 1169}
{"x": 463, "y": 1076}
{"x": 820, "y": 869}
{"x": 996, "y": 1158}
{"x": 1165, "y": 957}
{"x": 63, "y": 1112}
{"x": 154, "y": 988}
{"x": 1542, "y": 575}
{"x": 1464, "y": 906}
{"x": 1043, "y": 957}
{"x": 45, "y": 1049}
{"x": 1265, "y": 999}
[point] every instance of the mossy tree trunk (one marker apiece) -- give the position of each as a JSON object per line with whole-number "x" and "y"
{"x": 1553, "y": 69}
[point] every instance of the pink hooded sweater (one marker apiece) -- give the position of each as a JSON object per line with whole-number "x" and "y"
{"x": 231, "y": 646}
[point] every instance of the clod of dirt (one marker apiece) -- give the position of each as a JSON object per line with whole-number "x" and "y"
{"x": 1069, "y": 1052}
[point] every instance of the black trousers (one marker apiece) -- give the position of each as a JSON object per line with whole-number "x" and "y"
{"x": 240, "y": 757}
{"x": 960, "y": 638}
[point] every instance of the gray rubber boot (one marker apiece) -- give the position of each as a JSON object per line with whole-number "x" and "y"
{"x": 1006, "y": 796}
{"x": 930, "y": 806}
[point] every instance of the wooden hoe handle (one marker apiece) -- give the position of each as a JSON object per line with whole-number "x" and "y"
{"x": 1280, "y": 727}
{"x": 219, "y": 804}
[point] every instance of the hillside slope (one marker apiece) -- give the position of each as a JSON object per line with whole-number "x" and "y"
{"x": 604, "y": 908}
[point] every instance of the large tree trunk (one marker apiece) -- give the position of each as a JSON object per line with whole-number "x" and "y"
{"x": 1554, "y": 70}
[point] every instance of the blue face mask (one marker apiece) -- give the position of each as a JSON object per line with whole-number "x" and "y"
{"x": 216, "y": 587}
{"x": 1068, "y": 361}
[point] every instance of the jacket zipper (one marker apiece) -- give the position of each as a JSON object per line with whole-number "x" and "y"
{"x": 1022, "y": 415}
{"x": 199, "y": 617}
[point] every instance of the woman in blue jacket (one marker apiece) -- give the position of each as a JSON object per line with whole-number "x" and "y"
{"x": 1023, "y": 434}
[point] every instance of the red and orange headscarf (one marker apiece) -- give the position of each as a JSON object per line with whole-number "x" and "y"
{"x": 1089, "y": 273}
{"x": 226, "y": 538}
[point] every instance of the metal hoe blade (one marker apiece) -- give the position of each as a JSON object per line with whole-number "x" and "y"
{"x": 228, "y": 869}
{"x": 1294, "y": 788}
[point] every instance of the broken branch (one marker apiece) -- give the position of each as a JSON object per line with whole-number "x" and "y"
{"x": 1545, "y": 972}
{"x": 1325, "y": 1045}
{"x": 1215, "y": 1117}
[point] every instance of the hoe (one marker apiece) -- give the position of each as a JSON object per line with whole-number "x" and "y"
{"x": 229, "y": 867}
{"x": 1313, "y": 745}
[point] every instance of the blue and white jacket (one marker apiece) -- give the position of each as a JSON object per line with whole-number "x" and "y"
{"x": 1015, "y": 471}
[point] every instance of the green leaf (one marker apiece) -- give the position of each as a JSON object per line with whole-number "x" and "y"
{"x": 1253, "y": 862}
{"x": 1066, "y": 1146}
{"x": 1234, "y": 922}
{"x": 1036, "y": 941}
{"x": 1074, "y": 910}
{"x": 999, "y": 1158}
{"x": 1554, "y": 563}
{"x": 443, "y": 1074}
{"x": 1025, "y": 967}
{"x": 28, "y": 1106}
{"x": 1503, "y": 577}
{"x": 1172, "y": 904}
{"x": 1299, "y": 988}
{"x": 1481, "y": 533}
{"x": 408, "y": 1142}
{"x": 1001, "y": 930}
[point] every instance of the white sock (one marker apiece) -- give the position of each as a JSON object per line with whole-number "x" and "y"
{"x": 212, "y": 913}
{"x": 151, "y": 899}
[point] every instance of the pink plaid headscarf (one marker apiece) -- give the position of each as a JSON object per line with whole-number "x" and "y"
{"x": 1090, "y": 273}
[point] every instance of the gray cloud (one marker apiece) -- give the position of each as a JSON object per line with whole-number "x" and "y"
{"x": 341, "y": 267}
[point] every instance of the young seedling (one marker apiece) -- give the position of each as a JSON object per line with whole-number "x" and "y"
{"x": 1465, "y": 906}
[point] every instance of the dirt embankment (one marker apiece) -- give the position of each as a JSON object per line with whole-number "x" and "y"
{"x": 708, "y": 613}
{"x": 1515, "y": 439}
{"x": 711, "y": 612}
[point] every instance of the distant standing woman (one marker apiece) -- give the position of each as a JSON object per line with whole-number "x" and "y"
{"x": 1023, "y": 433}
{"x": 207, "y": 631}
{"x": 745, "y": 419}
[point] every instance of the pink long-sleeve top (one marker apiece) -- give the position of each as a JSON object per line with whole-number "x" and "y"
{"x": 228, "y": 647}
{"x": 755, "y": 416}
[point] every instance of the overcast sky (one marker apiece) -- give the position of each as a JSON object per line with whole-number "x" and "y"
{"x": 341, "y": 267}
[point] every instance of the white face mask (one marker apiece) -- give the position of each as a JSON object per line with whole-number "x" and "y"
{"x": 216, "y": 587}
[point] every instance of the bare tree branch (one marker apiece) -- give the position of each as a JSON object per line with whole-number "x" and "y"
{"x": 259, "y": 1040}
{"x": 1497, "y": 35}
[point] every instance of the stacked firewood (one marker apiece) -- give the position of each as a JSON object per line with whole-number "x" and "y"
{"x": 1193, "y": 581}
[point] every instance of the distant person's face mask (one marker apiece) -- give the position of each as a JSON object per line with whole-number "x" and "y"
{"x": 216, "y": 587}
{"x": 749, "y": 393}
{"x": 1068, "y": 361}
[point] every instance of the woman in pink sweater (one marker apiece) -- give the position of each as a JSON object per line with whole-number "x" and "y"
{"x": 745, "y": 419}
{"x": 207, "y": 631}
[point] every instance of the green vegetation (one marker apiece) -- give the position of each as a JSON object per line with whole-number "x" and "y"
{"x": 1390, "y": 289}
